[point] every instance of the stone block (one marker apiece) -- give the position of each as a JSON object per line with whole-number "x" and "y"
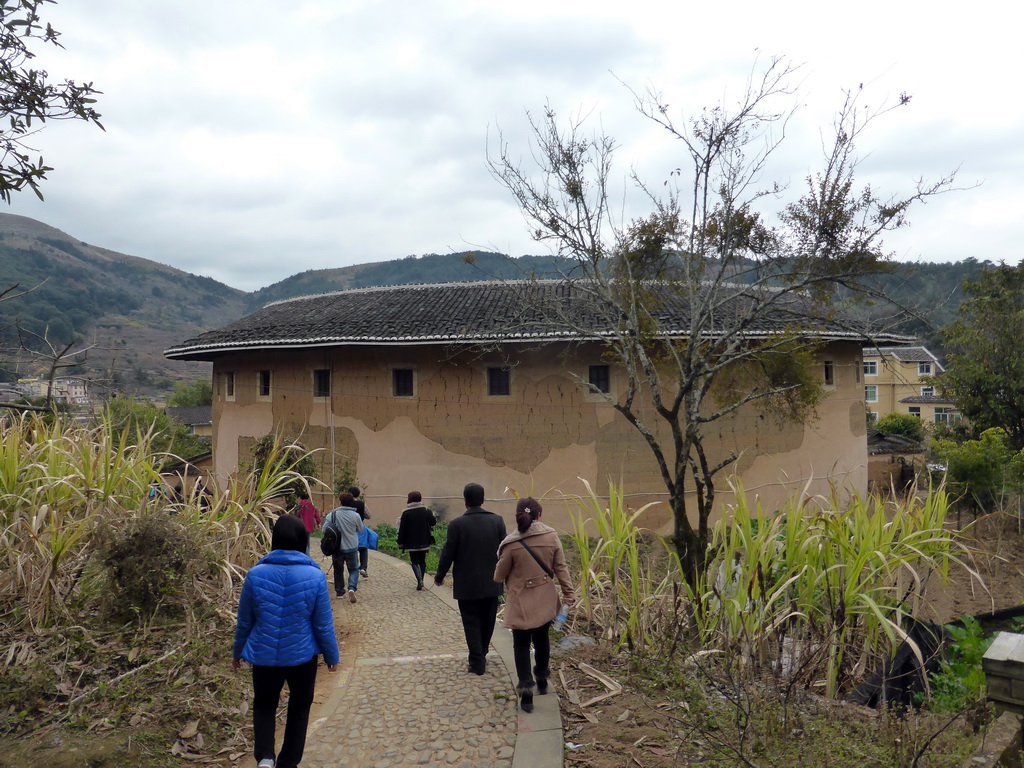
{"x": 1003, "y": 665}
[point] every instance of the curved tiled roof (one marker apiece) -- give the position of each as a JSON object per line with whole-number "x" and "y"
{"x": 190, "y": 415}
{"x": 472, "y": 313}
{"x": 883, "y": 444}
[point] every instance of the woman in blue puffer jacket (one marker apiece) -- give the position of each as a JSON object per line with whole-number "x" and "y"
{"x": 284, "y": 623}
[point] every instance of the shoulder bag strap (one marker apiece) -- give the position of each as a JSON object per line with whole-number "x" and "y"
{"x": 533, "y": 554}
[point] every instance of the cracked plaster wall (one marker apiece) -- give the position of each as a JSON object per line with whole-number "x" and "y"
{"x": 540, "y": 439}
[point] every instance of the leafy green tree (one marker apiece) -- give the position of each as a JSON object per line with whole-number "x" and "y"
{"x": 958, "y": 431}
{"x": 901, "y": 424}
{"x": 191, "y": 393}
{"x": 27, "y": 96}
{"x": 755, "y": 287}
{"x": 985, "y": 368}
{"x": 982, "y": 472}
{"x": 136, "y": 417}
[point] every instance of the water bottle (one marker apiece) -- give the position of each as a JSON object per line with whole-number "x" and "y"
{"x": 559, "y": 622}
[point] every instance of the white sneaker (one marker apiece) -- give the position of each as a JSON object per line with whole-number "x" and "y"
{"x": 265, "y": 763}
{"x": 363, "y": 574}
{"x": 351, "y": 595}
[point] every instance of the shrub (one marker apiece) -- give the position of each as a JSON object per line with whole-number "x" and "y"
{"x": 145, "y": 561}
{"x": 982, "y": 472}
{"x": 903, "y": 424}
{"x": 960, "y": 683}
{"x": 387, "y": 541}
{"x": 346, "y": 478}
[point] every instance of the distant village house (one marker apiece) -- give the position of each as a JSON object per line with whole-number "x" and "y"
{"x": 896, "y": 381}
{"x": 72, "y": 391}
{"x": 198, "y": 419}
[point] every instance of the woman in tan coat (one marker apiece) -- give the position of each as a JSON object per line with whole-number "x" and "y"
{"x": 529, "y": 560}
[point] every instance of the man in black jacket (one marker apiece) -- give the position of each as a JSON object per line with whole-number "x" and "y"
{"x": 472, "y": 546}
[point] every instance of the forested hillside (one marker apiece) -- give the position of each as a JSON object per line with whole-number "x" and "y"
{"x": 931, "y": 293}
{"x": 126, "y": 308}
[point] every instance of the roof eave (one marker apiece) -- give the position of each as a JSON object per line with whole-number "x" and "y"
{"x": 202, "y": 350}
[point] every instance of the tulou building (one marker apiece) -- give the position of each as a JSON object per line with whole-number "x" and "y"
{"x": 428, "y": 387}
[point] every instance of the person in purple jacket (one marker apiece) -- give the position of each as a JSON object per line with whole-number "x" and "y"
{"x": 284, "y": 623}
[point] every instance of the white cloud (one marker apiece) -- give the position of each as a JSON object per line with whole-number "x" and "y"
{"x": 250, "y": 141}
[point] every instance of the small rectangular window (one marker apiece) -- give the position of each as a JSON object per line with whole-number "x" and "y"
{"x": 927, "y": 391}
{"x": 870, "y": 367}
{"x": 321, "y": 382}
{"x": 924, "y": 369}
{"x": 229, "y": 385}
{"x": 946, "y": 415}
{"x": 830, "y": 373}
{"x": 263, "y": 383}
{"x": 600, "y": 378}
{"x": 872, "y": 417}
{"x": 871, "y": 393}
{"x": 402, "y": 382}
{"x": 499, "y": 381}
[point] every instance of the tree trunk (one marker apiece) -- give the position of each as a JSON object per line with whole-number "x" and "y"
{"x": 691, "y": 550}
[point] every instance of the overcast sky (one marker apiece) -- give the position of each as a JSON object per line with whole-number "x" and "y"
{"x": 249, "y": 141}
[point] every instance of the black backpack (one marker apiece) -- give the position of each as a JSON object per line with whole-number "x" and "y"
{"x": 329, "y": 541}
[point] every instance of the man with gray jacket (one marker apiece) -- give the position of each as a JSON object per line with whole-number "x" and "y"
{"x": 345, "y": 520}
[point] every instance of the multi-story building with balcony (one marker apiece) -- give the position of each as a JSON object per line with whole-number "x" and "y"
{"x": 897, "y": 380}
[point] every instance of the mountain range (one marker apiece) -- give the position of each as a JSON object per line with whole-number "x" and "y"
{"x": 127, "y": 310}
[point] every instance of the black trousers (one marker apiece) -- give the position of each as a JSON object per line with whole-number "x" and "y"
{"x": 364, "y": 558}
{"x": 418, "y": 557}
{"x": 478, "y": 624}
{"x": 267, "y": 683}
{"x": 521, "y": 641}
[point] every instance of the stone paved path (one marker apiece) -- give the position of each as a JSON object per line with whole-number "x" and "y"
{"x": 402, "y": 696}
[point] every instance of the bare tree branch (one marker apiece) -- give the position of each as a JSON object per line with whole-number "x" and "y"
{"x": 755, "y": 291}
